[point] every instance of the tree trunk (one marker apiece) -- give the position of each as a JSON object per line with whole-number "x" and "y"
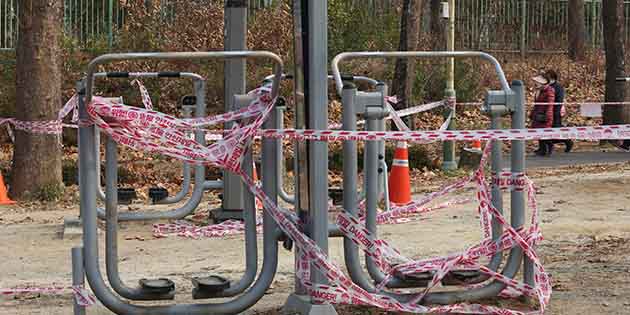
{"x": 36, "y": 168}
{"x": 402, "y": 85}
{"x": 613, "y": 19}
{"x": 438, "y": 35}
{"x": 577, "y": 30}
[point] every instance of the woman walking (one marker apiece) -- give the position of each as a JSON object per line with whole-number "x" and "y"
{"x": 542, "y": 114}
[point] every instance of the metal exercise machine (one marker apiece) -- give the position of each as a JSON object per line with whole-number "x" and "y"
{"x": 248, "y": 288}
{"x": 510, "y": 100}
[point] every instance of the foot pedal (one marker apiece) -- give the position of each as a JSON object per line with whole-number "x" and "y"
{"x": 209, "y": 287}
{"x": 126, "y": 195}
{"x": 336, "y": 194}
{"x": 460, "y": 277}
{"x": 157, "y": 194}
{"x": 421, "y": 279}
{"x": 160, "y": 286}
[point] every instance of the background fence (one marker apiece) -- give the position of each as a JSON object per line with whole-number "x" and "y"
{"x": 535, "y": 25}
{"x": 91, "y": 21}
{"x": 494, "y": 25}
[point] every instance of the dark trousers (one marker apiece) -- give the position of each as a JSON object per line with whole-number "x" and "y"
{"x": 545, "y": 146}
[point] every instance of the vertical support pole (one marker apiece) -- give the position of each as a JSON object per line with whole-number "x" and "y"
{"x": 317, "y": 113}
{"x": 311, "y": 88}
{"x": 235, "y": 31}
{"x": 78, "y": 277}
{"x": 448, "y": 147}
{"x": 523, "y": 28}
{"x": 518, "y": 166}
{"x": 497, "y": 194}
{"x": 110, "y": 24}
{"x": 382, "y": 166}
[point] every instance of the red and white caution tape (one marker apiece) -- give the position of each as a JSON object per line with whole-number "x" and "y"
{"x": 81, "y": 295}
{"x": 151, "y": 131}
{"x": 584, "y": 133}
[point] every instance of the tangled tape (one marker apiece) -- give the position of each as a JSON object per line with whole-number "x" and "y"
{"x": 152, "y": 131}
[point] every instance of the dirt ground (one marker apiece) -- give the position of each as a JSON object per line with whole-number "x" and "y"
{"x": 586, "y": 224}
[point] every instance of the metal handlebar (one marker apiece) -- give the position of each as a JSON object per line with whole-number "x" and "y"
{"x": 416, "y": 54}
{"x": 108, "y": 58}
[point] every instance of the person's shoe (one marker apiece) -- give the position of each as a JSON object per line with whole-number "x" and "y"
{"x": 625, "y": 146}
{"x": 569, "y": 146}
{"x": 549, "y": 150}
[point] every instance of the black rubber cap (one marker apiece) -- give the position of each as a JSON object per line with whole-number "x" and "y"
{"x": 168, "y": 74}
{"x": 117, "y": 74}
{"x": 161, "y": 285}
{"x": 158, "y": 194}
{"x": 126, "y": 195}
{"x": 211, "y": 284}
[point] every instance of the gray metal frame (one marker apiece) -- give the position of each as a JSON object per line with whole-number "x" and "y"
{"x": 200, "y": 182}
{"x": 235, "y": 38}
{"x": 88, "y": 189}
{"x": 507, "y": 100}
{"x": 200, "y": 112}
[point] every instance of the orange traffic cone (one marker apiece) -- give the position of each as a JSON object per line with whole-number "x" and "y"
{"x": 259, "y": 204}
{"x": 476, "y": 145}
{"x": 4, "y": 196}
{"x": 399, "y": 181}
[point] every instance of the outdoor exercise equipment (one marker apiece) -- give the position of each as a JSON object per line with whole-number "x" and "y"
{"x": 214, "y": 286}
{"x": 510, "y": 100}
{"x": 310, "y": 201}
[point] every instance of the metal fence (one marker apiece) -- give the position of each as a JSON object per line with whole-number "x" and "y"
{"x": 88, "y": 21}
{"x": 493, "y": 25}
{"x": 519, "y": 25}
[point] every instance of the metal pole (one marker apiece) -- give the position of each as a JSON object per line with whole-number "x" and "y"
{"x": 235, "y": 39}
{"x": 311, "y": 30}
{"x": 110, "y": 24}
{"x": 318, "y": 119}
{"x": 448, "y": 147}
{"x": 523, "y": 28}
{"x": 78, "y": 277}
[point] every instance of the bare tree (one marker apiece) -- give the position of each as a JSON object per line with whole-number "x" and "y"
{"x": 577, "y": 30}
{"x": 37, "y": 158}
{"x": 409, "y": 35}
{"x": 614, "y": 20}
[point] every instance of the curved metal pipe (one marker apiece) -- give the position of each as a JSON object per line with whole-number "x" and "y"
{"x": 415, "y": 54}
{"x": 185, "y": 167}
{"x": 251, "y": 246}
{"x": 108, "y": 58}
{"x": 111, "y": 246}
{"x": 517, "y": 218}
{"x": 90, "y": 240}
{"x": 111, "y": 234}
{"x": 198, "y": 191}
{"x": 185, "y": 187}
{"x": 279, "y": 122}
